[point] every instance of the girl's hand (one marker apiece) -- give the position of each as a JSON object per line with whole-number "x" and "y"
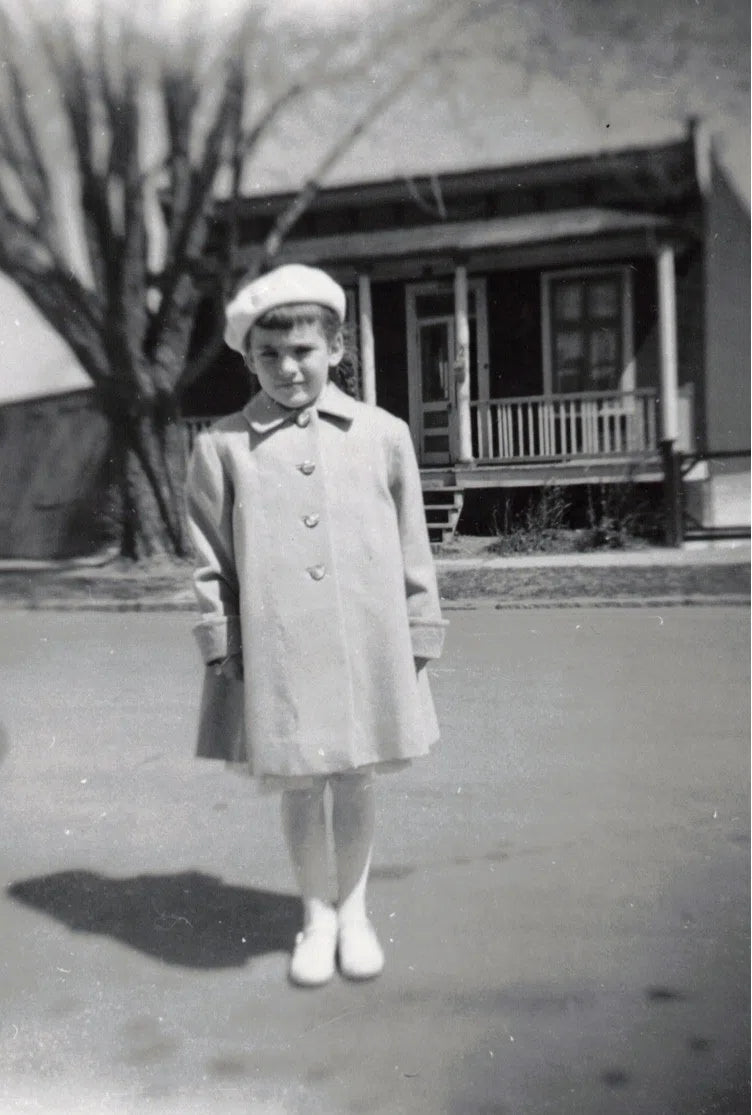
{"x": 420, "y": 663}
{"x": 230, "y": 667}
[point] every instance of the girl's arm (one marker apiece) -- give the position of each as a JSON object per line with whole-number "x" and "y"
{"x": 209, "y": 504}
{"x": 427, "y": 628}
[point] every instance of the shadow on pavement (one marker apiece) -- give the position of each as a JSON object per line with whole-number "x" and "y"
{"x": 190, "y": 918}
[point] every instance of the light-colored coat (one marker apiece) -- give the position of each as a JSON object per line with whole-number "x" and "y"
{"x": 314, "y": 562}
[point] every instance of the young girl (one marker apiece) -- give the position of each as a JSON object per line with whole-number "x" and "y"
{"x": 316, "y": 584}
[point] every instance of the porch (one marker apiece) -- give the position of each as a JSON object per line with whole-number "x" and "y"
{"x": 564, "y": 427}
{"x": 537, "y": 436}
{"x": 567, "y": 439}
{"x": 532, "y": 324}
{"x": 432, "y": 348}
{"x": 535, "y": 441}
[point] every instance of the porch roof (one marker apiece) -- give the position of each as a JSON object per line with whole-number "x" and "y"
{"x": 473, "y": 236}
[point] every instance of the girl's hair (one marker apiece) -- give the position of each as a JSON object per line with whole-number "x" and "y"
{"x": 345, "y": 374}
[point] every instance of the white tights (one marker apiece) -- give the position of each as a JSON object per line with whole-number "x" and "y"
{"x": 305, "y": 828}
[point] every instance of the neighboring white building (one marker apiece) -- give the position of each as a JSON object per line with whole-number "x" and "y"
{"x": 34, "y": 360}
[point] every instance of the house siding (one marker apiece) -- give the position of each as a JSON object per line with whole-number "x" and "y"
{"x": 727, "y": 240}
{"x": 690, "y": 324}
{"x": 390, "y": 328}
{"x": 514, "y": 334}
{"x": 645, "y": 322}
{"x": 54, "y": 460}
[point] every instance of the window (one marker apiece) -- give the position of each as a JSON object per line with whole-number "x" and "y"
{"x": 587, "y": 331}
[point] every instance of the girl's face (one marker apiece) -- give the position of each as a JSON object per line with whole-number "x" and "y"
{"x": 292, "y": 365}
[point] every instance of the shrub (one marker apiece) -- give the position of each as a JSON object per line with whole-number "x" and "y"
{"x": 556, "y": 519}
{"x": 617, "y": 516}
{"x": 538, "y": 528}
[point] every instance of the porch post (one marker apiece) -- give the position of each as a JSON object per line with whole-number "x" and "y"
{"x": 367, "y": 349}
{"x": 462, "y": 367}
{"x": 669, "y": 396}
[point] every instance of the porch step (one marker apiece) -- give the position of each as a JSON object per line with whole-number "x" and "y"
{"x": 443, "y": 508}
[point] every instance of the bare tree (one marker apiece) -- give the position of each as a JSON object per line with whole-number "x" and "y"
{"x": 113, "y": 144}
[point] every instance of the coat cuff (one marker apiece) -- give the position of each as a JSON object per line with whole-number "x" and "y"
{"x": 427, "y": 637}
{"x": 218, "y": 638}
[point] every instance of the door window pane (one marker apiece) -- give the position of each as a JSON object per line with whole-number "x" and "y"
{"x": 435, "y": 304}
{"x": 473, "y": 358}
{"x": 440, "y": 303}
{"x": 434, "y": 361}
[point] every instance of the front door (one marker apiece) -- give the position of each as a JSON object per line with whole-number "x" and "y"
{"x": 431, "y": 354}
{"x": 435, "y": 356}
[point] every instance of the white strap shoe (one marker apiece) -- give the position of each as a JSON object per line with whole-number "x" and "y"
{"x": 312, "y": 961}
{"x": 360, "y": 954}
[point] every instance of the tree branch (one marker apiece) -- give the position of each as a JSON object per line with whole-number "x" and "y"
{"x": 19, "y": 136}
{"x": 180, "y": 295}
{"x": 124, "y": 168}
{"x": 63, "y": 56}
{"x": 287, "y": 219}
{"x": 455, "y": 16}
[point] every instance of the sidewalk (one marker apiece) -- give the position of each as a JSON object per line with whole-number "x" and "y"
{"x": 691, "y": 553}
{"x": 699, "y": 572}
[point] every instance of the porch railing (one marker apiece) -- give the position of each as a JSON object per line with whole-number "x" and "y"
{"x": 591, "y": 424}
{"x": 536, "y": 427}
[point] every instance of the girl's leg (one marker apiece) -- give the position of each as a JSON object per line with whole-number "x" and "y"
{"x": 353, "y": 823}
{"x": 304, "y": 824}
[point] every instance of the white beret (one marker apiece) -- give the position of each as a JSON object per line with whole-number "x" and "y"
{"x": 294, "y": 282}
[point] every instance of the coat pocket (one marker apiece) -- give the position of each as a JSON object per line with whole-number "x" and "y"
{"x": 221, "y": 725}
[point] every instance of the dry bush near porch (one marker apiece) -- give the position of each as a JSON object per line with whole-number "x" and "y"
{"x": 556, "y": 519}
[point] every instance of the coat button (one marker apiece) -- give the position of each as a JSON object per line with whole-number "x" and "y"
{"x": 307, "y": 467}
{"x": 318, "y": 572}
{"x": 311, "y": 520}
{"x": 302, "y": 418}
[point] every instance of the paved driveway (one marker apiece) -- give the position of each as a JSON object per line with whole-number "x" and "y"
{"x": 562, "y": 888}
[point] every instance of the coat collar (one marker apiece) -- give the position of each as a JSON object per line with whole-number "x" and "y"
{"x": 264, "y": 414}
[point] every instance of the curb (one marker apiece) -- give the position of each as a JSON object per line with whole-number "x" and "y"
{"x": 465, "y": 585}
{"x": 475, "y": 603}
{"x": 471, "y": 603}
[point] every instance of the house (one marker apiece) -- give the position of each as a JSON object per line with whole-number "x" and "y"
{"x": 567, "y": 321}
{"x": 54, "y": 453}
{"x": 54, "y": 441}
{"x": 570, "y": 321}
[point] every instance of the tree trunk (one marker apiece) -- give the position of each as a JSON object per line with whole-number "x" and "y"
{"x": 150, "y": 460}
